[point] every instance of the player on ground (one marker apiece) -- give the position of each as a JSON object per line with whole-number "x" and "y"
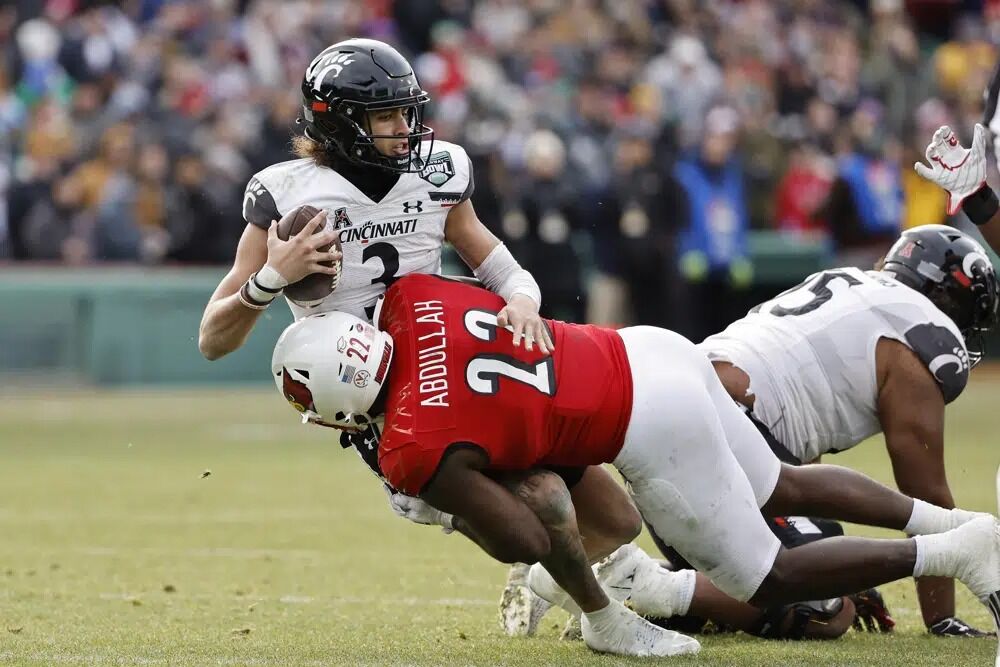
{"x": 461, "y": 403}
{"x": 851, "y": 353}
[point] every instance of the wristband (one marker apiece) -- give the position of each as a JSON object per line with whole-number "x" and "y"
{"x": 981, "y": 205}
{"x": 258, "y": 293}
{"x": 249, "y": 301}
{"x": 269, "y": 280}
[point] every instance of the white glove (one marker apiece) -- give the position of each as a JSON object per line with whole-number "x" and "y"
{"x": 418, "y": 511}
{"x": 958, "y": 170}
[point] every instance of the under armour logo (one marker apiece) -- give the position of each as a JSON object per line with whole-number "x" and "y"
{"x": 418, "y": 206}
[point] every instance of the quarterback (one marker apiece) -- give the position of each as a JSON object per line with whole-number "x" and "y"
{"x": 462, "y": 404}
{"x": 389, "y": 190}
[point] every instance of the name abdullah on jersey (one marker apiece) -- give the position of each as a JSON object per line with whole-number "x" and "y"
{"x": 400, "y": 234}
{"x": 457, "y": 379}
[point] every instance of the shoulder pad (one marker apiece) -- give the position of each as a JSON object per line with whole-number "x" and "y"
{"x": 944, "y": 355}
{"x": 259, "y": 208}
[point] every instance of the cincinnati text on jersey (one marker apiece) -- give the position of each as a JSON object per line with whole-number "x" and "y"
{"x": 377, "y": 230}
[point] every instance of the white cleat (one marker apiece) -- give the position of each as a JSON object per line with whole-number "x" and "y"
{"x": 626, "y": 633}
{"x": 520, "y": 609}
{"x": 616, "y": 572}
{"x": 978, "y": 551}
{"x": 544, "y": 586}
{"x": 571, "y": 632}
{"x": 651, "y": 589}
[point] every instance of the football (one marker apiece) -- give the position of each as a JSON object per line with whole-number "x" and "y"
{"x": 316, "y": 286}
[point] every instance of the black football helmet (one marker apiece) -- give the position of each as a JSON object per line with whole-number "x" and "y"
{"x": 955, "y": 273}
{"x": 349, "y": 79}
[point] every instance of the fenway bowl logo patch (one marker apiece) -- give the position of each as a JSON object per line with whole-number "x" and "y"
{"x": 439, "y": 169}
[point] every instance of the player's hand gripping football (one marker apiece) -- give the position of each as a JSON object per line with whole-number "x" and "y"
{"x": 959, "y": 170}
{"x": 521, "y": 313}
{"x": 298, "y": 257}
{"x": 418, "y": 511}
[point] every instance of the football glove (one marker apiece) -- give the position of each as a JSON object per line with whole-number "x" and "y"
{"x": 956, "y": 627}
{"x": 418, "y": 511}
{"x": 870, "y": 612}
{"x": 958, "y": 170}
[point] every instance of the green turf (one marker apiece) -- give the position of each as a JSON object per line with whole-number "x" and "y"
{"x": 114, "y": 549}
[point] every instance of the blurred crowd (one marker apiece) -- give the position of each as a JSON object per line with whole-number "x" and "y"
{"x": 629, "y": 145}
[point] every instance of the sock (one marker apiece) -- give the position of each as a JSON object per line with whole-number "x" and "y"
{"x": 934, "y": 556}
{"x": 598, "y": 619}
{"x": 927, "y": 519}
{"x": 682, "y": 604}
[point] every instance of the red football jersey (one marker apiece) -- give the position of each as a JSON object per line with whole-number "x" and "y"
{"x": 457, "y": 378}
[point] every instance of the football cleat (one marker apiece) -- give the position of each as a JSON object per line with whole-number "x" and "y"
{"x": 520, "y": 609}
{"x": 624, "y": 632}
{"x": 652, "y": 590}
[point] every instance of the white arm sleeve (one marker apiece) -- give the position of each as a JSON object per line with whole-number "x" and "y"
{"x": 501, "y": 273}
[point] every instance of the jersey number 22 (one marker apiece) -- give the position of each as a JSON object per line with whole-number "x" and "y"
{"x": 484, "y": 371}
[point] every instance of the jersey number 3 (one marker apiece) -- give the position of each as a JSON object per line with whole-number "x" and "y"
{"x": 484, "y": 371}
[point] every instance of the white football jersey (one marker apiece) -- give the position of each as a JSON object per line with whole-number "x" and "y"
{"x": 383, "y": 240}
{"x": 810, "y": 355}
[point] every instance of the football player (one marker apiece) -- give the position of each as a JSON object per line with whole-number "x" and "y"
{"x": 461, "y": 403}
{"x": 393, "y": 194}
{"x": 850, "y": 353}
{"x": 386, "y": 187}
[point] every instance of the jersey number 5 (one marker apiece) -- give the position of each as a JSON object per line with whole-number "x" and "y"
{"x": 484, "y": 371}
{"x": 820, "y": 290}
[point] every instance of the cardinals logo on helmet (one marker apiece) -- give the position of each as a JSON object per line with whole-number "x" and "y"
{"x": 297, "y": 393}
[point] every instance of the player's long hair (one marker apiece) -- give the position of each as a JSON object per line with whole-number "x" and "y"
{"x": 304, "y": 147}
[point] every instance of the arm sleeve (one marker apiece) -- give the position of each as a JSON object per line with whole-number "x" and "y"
{"x": 501, "y": 273}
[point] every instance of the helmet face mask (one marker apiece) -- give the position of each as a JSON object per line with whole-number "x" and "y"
{"x": 351, "y": 79}
{"x": 955, "y": 273}
{"x": 331, "y": 368}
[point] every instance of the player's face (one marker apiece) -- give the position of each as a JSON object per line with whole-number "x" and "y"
{"x": 391, "y": 123}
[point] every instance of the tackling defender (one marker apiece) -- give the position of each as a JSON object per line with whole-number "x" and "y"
{"x": 461, "y": 401}
{"x": 393, "y": 194}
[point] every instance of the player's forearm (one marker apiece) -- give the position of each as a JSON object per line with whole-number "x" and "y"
{"x": 501, "y": 274}
{"x": 991, "y": 232}
{"x": 983, "y": 208}
{"x": 225, "y": 326}
{"x": 937, "y": 598}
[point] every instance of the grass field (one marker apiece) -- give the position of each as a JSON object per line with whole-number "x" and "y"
{"x": 115, "y": 549}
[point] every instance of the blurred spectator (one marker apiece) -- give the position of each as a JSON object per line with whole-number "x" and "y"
{"x": 713, "y": 255}
{"x": 635, "y": 236}
{"x": 803, "y": 190}
{"x": 539, "y": 226}
{"x": 865, "y": 206}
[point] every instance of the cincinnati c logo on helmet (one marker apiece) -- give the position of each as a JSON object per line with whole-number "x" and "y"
{"x": 326, "y": 63}
{"x": 297, "y": 393}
